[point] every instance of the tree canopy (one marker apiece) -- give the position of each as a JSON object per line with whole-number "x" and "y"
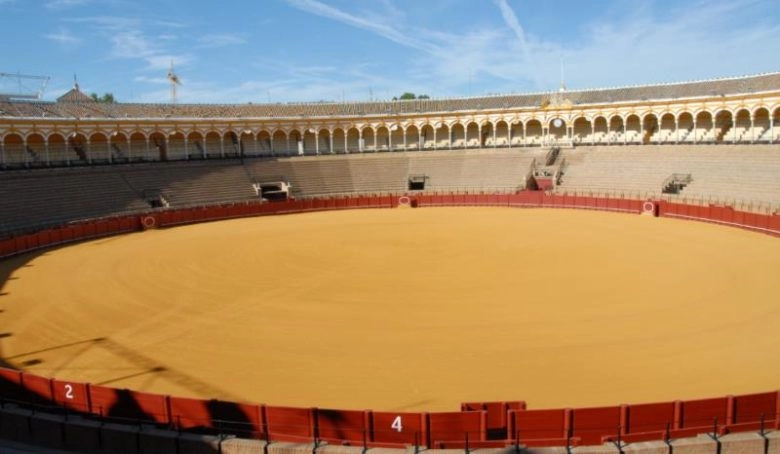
{"x": 107, "y": 98}
{"x": 409, "y": 95}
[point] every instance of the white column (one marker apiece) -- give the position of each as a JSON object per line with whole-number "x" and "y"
{"x": 88, "y": 151}
{"x": 186, "y": 148}
{"x": 148, "y": 151}
{"x": 752, "y": 128}
{"x": 167, "y": 147}
{"x": 330, "y": 141}
{"x": 405, "y": 148}
{"x": 346, "y": 141}
{"x": 254, "y": 144}
{"x": 375, "y": 141}
{"x": 695, "y": 140}
{"x": 316, "y": 142}
{"x": 435, "y": 139}
{"x": 46, "y": 148}
{"x": 108, "y": 150}
{"x": 360, "y": 140}
{"x": 495, "y": 132}
{"x": 222, "y": 146}
{"x": 389, "y": 139}
{"x": 771, "y": 128}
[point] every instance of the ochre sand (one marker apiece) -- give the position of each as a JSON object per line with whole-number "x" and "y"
{"x": 416, "y": 309}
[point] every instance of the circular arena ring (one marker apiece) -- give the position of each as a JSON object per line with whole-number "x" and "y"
{"x": 408, "y": 311}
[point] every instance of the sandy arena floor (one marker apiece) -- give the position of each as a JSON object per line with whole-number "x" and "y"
{"x": 407, "y": 309}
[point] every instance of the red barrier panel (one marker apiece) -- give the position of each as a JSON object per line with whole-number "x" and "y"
{"x": 126, "y": 404}
{"x": 590, "y": 424}
{"x": 89, "y": 229}
{"x": 454, "y": 426}
{"x": 289, "y": 424}
{"x": 20, "y": 244}
{"x": 650, "y": 417}
{"x": 496, "y": 421}
{"x": 399, "y": 428}
{"x": 340, "y": 426}
{"x": 538, "y": 424}
{"x": 10, "y": 384}
{"x": 774, "y": 223}
{"x": 101, "y": 227}
{"x": 752, "y": 407}
{"x": 701, "y": 413}
{"x": 44, "y": 238}
{"x": 70, "y": 394}
{"x": 40, "y": 386}
{"x": 225, "y": 417}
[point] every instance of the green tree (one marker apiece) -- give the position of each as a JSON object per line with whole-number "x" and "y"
{"x": 407, "y": 96}
{"x": 107, "y": 98}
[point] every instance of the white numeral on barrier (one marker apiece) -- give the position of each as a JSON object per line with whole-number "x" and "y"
{"x": 396, "y": 425}
{"x": 69, "y": 391}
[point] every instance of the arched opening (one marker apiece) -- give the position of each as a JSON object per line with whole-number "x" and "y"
{"x": 138, "y": 148}
{"x": 37, "y": 154}
{"x": 99, "y": 149}
{"x": 742, "y": 125}
{"x": 231, "y": 144}
{"x": 195, "y": 148}
{"x": 263, "y": 145}
{"x": 309, "y": 142}
{"x": 516, "y": 133}
{"x": 353, "y": 140}
{"x": 600, "y": 130}
{"x": 502, "y": 134}
{"x": 472, "y": 135}
{"x": 177, "y": 148}
{"x": 14, "y": 154}
{"x": 724, "y": 127}
{"x": 582, "y": 130}
{"x": 617, "y": 133}
{"x": 533, "y": 132}
{"x": 396, "y": 137}
{"x": 427, "y": 137}
{"x": 633, "y": 129}
{"x": 117, "y": 146}
{"x": 486, "y": 139}
{"x": 382, "y": 139}
{"x": 650, "y": 129}
{"x": 442, "y": 137}
{"x": 280, "y": 143}
{"x": 412, "y": 138}
{"x": 705, "y": 130}
{"x": 368, "y": 143}
{"x": 58, "y": 151}
{"x": 339, "y": 141}
{"x": 458, "y": 136}
{"x": 761, "y": 127}
{"x": 248, "y": 145}
{"x": 667, "y": 128}
{"x": 79, "y": 146}
{"x": 157, "y": 143}
{"x": 212, "y": 145}
{"x": 685, "y": 127}
{"x": 324, "y": 143}
{"x": 556, "y": 129}
{"x": 294, "y": 143}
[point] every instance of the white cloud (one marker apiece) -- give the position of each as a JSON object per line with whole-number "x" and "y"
{"x": 161, "y": 62}
{"x": 131, "y": 44}
{"x": 220, "y": 40}
{"x": 64, "y": 4}
{"x": 511, "y": 21}
{"x": 64, "y": 37}
{"x": 378, "y": 27}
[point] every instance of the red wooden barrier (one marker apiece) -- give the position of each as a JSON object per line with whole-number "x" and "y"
{"x": 343, "y": 426}
{"x": 751, "y": 407}
{"x": 216, "y": 416}
{"x": 456, "y": 425}
{"x": 73, "y": 395}
{"x": 591, "y": 424}
{"x": 11, "y": 384}
{"x": 650, "y": 417}
{"x": 40, "y": 386}
{"x": 538, "y": 424}
{"x": 289, "y": 424}
{"x": 702, "y": 412}
{"x": 399, "y": 428}
{"x": 126, "y": 404}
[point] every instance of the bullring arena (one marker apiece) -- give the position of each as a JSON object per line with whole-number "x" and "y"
{"x": 515, "y": 272}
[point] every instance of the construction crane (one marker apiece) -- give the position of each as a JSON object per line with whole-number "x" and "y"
{"x": 22, "y": 86}
{"x": 174, "y": 80}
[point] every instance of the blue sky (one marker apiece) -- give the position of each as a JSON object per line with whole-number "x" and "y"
{"x": 333, "y": 50}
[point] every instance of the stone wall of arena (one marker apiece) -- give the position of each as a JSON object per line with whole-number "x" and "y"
{"x": 88, "y": 417}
